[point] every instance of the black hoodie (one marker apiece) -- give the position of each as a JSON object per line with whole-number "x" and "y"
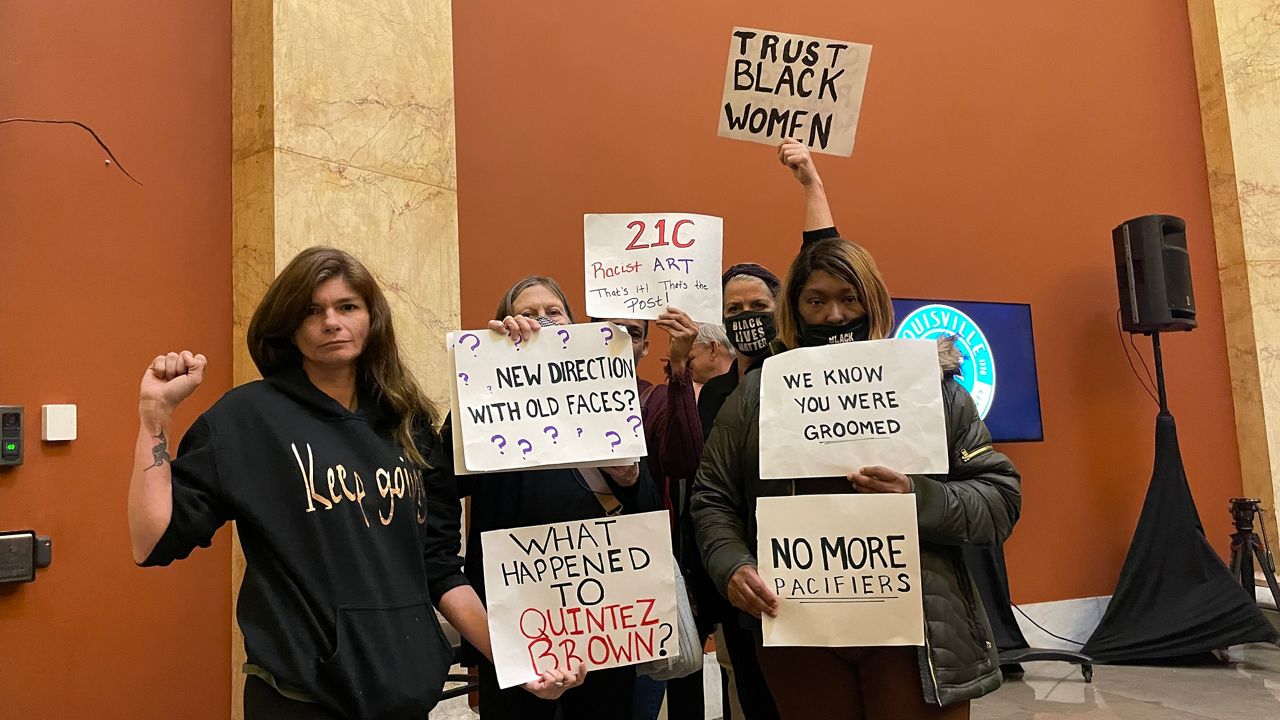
{"x": 348, "y": 547}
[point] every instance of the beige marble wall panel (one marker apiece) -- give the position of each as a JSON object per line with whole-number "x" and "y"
{"x": 253, "y": 260}
{"x": 343, "y": 135}
{"x": 252, "y": 76}
{"x": 368, "y": 84}
{"x": 404, "y": 231}
{"x": 1237, "y": 50}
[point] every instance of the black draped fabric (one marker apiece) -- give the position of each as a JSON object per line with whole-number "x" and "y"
{"x": 1176, "y": 598}
{"x": 986, "y": 565}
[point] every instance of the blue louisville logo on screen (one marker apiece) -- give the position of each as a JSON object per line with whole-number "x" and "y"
{"x": 978, "y": 369}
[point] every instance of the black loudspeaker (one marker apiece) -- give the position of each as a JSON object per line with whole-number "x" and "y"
{"x": 1153, "y": 270}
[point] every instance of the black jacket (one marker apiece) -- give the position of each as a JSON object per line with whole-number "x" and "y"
{"x": 347, "y": 546}
{"x": 977, "y": 501}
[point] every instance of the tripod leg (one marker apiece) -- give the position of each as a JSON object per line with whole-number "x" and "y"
{"x": 1244, "y": 563}
{"x": 1269, "y": 573}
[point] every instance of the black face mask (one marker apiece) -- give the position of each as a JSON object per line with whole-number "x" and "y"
{"x": 813, "y": 335}
{"x": 751, "y": 332}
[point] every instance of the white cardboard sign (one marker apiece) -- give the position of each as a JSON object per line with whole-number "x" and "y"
{"x": 846, "y": 569}
{"x": 567, "y": 396}
{"x": 638, "y": 264}
{"x": 599, "y": 592}
{"x": 779, "y": 85}
{"x": 828, "y": 411}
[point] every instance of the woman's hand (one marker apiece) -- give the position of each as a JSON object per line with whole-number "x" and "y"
{"x": 749, "y": 594}
{"x": 554, "y": 683}
{"x": 876, "y": 479}
{"x": 168, "y": 381}
{"x": 683, "y": 331}
{"x": 519, "y": 326}
{"x": 795, "y": 155}
{"x": 624, "y": 475}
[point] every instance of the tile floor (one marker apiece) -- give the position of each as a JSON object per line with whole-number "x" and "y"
{"x": 1245, "y": 690}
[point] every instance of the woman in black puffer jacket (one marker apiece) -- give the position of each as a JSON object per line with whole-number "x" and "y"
{"x": 834, "y": 293}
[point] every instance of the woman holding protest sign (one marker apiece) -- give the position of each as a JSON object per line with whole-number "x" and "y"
{"x": 834, "y": 293}
{"x": 750, "y": 296}
{"x": 344, "y": 571}
{"x": 512, "y": 499}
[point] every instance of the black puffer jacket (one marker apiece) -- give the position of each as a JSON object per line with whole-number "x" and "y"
{"x": 977, "y": 502}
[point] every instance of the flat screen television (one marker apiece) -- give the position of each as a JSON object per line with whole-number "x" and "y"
{"x": 999, "y": 368}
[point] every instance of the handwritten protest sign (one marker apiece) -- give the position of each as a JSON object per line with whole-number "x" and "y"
{"x": 827, "y": 411}
{"x": 779, "y": 85}
{"x": 566, "y": 396}
{"x": 638, "y": 264}
{"x": 846, "y": 569}
{"x": 599, "y": 592}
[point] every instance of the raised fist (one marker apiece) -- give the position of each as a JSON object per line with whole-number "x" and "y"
{"x": 169, "y": 380}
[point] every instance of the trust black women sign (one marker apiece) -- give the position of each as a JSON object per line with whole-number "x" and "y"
{"x": 779, "y": 86}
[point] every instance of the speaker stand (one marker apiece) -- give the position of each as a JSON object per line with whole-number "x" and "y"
{"x": 1155, "y": 350}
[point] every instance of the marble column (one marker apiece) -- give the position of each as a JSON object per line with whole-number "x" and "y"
{"x": 343, "y": 135}
{"x": 1237, "y": 53}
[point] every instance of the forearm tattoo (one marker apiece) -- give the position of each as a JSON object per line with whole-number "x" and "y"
{"x": 160, "y": 451}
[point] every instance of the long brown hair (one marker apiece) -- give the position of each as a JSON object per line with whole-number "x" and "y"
{"x": 843, "y": 260}
{"x": 380, "y": 370}
{"x": 507, "y": 305}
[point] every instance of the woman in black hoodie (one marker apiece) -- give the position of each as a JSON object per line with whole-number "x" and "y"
{"x": 346, "y": 510}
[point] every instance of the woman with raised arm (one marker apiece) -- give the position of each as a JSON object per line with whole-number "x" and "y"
{"x": 834, "y": 294}
{"x": 348, "y": 515}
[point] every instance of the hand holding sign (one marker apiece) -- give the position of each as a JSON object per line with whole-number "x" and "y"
{"x": 876, "y": 479}
{"x": 796, "y": 156}
{"x": 554, "y": 682}
{"x": 519, "y": 328}
{"x": 750, "y": 594}
{"x": 683, "y": 332}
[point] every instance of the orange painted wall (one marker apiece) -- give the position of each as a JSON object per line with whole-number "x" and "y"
{"x": 998, "y": 145}
{"x": 97, "y": 276}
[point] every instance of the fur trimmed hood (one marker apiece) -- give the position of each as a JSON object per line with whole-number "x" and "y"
{"x": 949, "y": 356}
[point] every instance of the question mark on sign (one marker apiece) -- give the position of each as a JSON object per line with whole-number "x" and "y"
{"x": 464, "y": 377}
{"x": 579, "y": 432}
{"x": 608, "y": 338}
{"x": 526, "y": 447}
{"x": 617, "y": 440}
{"x": 635, "y": 426}
{"x": 553, "y": 432}
{"x": 516, "y": 339}
{"x": 473, "y": 336}
{"x": 564, "y": 338}
{"x": 662, "y": 650}
{"x": 501, "y": 442}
